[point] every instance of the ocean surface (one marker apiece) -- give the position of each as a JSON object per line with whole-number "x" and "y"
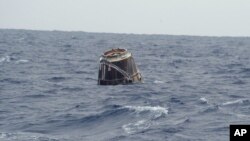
{"x": 194, "y": 87}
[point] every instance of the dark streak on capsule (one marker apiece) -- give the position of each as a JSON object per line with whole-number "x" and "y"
{"x": 117, "y": 66}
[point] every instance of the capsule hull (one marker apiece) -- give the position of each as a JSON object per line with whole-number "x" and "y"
{"x": 117, "y": 66}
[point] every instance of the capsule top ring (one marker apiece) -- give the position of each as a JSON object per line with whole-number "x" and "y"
{"x": 115, "y": 55}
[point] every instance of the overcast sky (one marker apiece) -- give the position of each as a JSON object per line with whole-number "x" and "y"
{"x": 178, "y": 17}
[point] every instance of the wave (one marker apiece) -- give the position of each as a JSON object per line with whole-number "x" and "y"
{"x": 156, "y": 109}
{"x": 2, "y": 59}
{"x": 211, "y": 108}
{"x": 22, "y": 136}
{"x": 245, "y": 70}
{"x": 5, "y": 59}
{"x": 8, "y": 58}
{"x": 21, "y": 61}
{"x": 236, "y": 102}
{"x": 130, "y": 119}
{"x": 145, "y": 122}
{"x": 220, "y": 107}
{"x": 136, "y": 126}
{"x": 57, "y": 79}
{"x": 158, "y": 82}
{"x": 72, "y": 89}
{"x": 13, "y": 81}
{"x": 132, "y": 111}
{"x": 36, "y": 96}
{"x": 203, "y": 100}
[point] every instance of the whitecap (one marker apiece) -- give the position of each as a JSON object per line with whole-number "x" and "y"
{"x": 242, "y": 116}
{"x": 158, "y": 82}
{"x": 155, "y": 112}
{"x": 151, "y": 119}
{"x": 203, "y": 100}
{"x": 7, "y": 58}
{"x": 2, "y": 59}
{"x": 3, "y": 135}
{"x": 155, "y": 109}
{"x": 136, "y": 126}
{"x": 239, "y": 101}
{"x": 22, "y": 61}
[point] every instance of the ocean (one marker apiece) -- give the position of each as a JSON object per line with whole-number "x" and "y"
{"x": 194, "y": 87}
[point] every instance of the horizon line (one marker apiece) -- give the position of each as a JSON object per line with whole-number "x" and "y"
{"x": 126, "y": 33}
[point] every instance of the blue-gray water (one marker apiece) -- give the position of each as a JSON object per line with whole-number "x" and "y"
{"x": 194, "y": 87}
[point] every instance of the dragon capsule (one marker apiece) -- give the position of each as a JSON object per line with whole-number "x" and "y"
{"x": 117, "y": 66}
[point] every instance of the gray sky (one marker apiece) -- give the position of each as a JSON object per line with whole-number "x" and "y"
{"x": 178, "y": 17}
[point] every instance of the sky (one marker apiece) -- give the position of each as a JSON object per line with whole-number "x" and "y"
{"x": 174, "y": 17}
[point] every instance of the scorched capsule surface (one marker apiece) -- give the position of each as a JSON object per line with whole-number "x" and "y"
{"x": 117, "y": 66}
